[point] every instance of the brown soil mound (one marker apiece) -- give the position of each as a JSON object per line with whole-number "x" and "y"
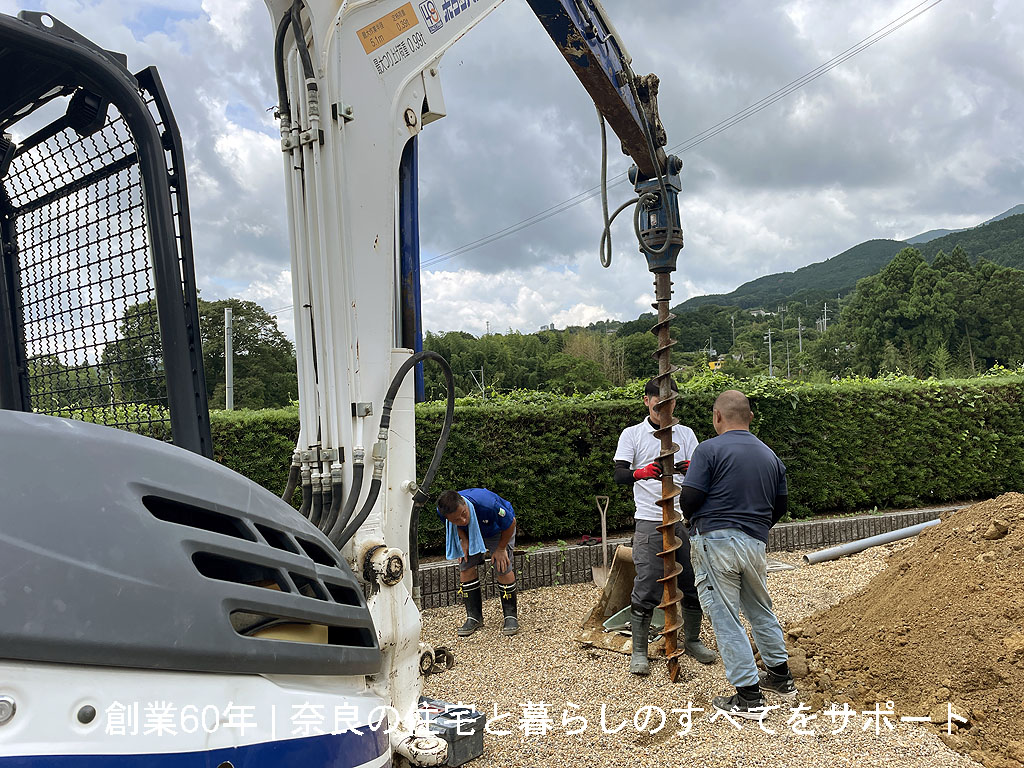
{"x": 941, "y": 625}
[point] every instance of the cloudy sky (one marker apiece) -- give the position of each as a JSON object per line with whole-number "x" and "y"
{"x": 921, "y": 130}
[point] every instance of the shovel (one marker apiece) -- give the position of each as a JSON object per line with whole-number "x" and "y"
{"x": 600, "y": 572}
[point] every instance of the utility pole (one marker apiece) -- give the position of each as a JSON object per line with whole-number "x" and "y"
{"x": 782, "y": 317}
{"x": 229, "y": 373}
{"x": 800, "y": 333}
{"x": 768, "y": 338}
{"x": 824, "y": 319}
{"x": 732, "y": 318}
{"x": 479, "y": 382}
{"x": 789, "y": 375}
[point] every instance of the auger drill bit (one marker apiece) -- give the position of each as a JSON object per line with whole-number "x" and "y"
{"x": 656, "y": 220}
{"x": 671, "y": 596}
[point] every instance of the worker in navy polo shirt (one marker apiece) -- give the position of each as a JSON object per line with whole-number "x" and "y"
{"x": 734, "y": 492}
{"x": 636, "y": 464}
{"x": 480, "y": 521}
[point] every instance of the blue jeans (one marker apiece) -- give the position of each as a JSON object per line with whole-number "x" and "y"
{"x": 730, "y": 571}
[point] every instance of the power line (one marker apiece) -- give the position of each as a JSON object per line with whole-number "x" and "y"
{"x": 701, "y": 137}
{"x": 814, "y": 74}
{"x": 695, "y": 140}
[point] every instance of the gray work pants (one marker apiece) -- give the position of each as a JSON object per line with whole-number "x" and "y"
{"x": 647, "y": 543}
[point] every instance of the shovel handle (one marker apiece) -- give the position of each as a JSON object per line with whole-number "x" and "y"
{"x": 602, "y": 508}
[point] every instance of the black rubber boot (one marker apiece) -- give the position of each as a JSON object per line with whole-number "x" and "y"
{"x": 474, "y": 600}
{"x": 640, "y": 624}
{"x": 509, "y": 608}
{"x": 692, "y": 618}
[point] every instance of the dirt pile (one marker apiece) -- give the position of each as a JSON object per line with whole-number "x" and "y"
{"x": 941, "y": 625}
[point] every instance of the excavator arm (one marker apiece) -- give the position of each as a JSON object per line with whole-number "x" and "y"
{"x": 228, "y": 592}
{"x": 357, "y": 81}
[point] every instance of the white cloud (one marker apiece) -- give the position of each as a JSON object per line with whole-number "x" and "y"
{"x": 274, "y": 294}
{"x": 228, "y": 18}
{"x": 580, "y": 314}
{"x": 252, "y": 158}
{"x": 920, "y": 131}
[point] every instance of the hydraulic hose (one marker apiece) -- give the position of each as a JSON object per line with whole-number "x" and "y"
{"x": 337, "y": 486}
{"x": 318, "y": 502}
{"x": 293, "y": 481}
{"x": 419, "y": 500}
{"x": 300, "y": 41}
{"x": 282, "y": 88}
{"x": 382, "y": 436}
{"x": 327, "y": 495}
{"x": 307, "y": 494}
{"x": 350, "y": 503}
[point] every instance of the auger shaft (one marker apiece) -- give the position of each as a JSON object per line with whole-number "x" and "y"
{"x": 672, "y": 597}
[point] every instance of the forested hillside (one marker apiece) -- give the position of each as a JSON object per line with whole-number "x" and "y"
{"x": 950, "y": 317}
{"x": 1001, "y": 242}
{"x": 814, "y": 283}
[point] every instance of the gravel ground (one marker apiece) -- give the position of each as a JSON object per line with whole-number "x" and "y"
{"x": 544, "y": 671}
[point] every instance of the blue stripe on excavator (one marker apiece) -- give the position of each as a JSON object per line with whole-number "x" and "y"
{"x": 343, "y": 750}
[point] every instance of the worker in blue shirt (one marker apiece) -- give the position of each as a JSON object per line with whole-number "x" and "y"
{"x": 480, "y": 521}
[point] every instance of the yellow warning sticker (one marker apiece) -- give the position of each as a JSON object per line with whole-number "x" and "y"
{"x": 387, "y": 28}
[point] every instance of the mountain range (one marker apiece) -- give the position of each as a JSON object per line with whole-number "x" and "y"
{"x": 931, "y": 234}
{"x": 999, "y": 239}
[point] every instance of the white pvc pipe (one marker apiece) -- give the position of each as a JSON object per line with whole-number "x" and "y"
{"x": 852, "y": 547}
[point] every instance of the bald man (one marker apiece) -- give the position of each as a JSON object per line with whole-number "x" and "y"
{"x": 734, "y": 492}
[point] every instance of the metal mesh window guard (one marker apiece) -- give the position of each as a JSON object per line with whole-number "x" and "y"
{"x": 80, "y": 272}
{"x": 92, "y": 342}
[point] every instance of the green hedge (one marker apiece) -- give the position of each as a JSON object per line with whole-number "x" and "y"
{"x": 847, "y": 445}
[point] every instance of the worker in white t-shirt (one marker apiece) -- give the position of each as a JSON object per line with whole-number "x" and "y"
{"x": 636, "y": 464}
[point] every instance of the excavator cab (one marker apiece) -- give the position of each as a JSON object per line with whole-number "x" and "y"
{"x": 140, "y": 576}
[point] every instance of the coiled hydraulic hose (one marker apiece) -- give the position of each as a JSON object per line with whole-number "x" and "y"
{"x": 385, "y": 421}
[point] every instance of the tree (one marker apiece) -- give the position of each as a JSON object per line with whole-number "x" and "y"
{"x": 892, "y": 361}
{"x": 133, "y": 363}
{"x": 598, "y": 347}
{"x": 880, "y": 310}
{"x": 638, "y": 355}
{"x": 940, "y": 362}
{"x": 263, "y": 358}
{"x": 59, "y": 388}
{"x": 569, "y": 375}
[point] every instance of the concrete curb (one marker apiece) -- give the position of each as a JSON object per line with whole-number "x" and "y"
{"x": 551, "y": 566}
